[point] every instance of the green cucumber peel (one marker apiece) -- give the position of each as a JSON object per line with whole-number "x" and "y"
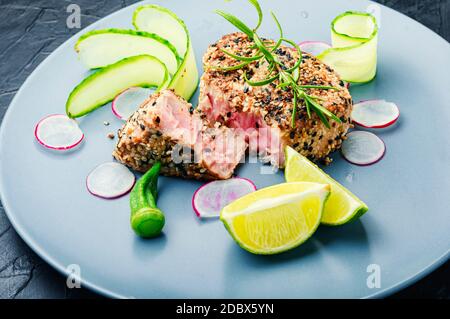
{"x": 128, "y": 32}
{"x": 104, "y": 85}
{"x": 353, "y": 56}
{"x": 136, "y": 35}
{"x": 185, "y": 80}
{"x": 355, "y": 13}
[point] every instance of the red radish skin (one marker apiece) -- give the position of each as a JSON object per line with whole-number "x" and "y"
{"x": 367, "y": 164}
{"x": 248, "y": 180}
{"x": 375, "y": 159}
{"x": 60, "y": 148}
{"x": 116, "y": 194}
{"x": 384, "y": 125}
{"x": 198, "y": 213}
{"x": 306, "y": 46}
{"x": 106, "y": 197}
{"x": 377, "y": 126}
{"x": 114, "y": 104}
{"x": 193, "y": 200}
{"x": 113, "y": 109}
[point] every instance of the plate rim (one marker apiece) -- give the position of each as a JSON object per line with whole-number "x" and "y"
{"x": 41, "y": 252}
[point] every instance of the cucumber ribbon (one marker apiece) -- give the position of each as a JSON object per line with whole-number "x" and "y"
{"x": 353, "y": 54}
{"x": 156, "y": 19}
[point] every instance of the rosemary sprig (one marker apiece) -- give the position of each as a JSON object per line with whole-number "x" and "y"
{"x": 287, "y": 77}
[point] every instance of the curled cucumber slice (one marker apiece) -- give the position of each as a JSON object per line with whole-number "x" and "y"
{"x": 354, "y": 38}
{"x": 100, "y": 48}
{"x": 104, "y": 85}
{"x": 156, "y": 19}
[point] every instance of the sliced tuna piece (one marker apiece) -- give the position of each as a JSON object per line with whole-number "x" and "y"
{"x": 225, "y": 98}
{"x": 166, "y": 129}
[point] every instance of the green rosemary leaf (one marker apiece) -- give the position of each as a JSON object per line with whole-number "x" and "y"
{"x": 319, "y": 113}
{"x": 317, "y": 105}
{"x": 242, "y": 58}
{"x": 236, "y": 22}
{"x": 294, "y": 109}
{"x": 334, "y": 117}
{"x": 323, "y": 119}
{"x": 271, "y": 68}
{"x": 283, "y": 85}
{"x": 323, "y": 110}
{"x": 280, "y": 29}
{"x": 288, "y": 78}
{"x": 315, "y": 97}
{"x": 255, "y": 3}
{"x": 322, "y": 87}
{"x": 262, "y": 82}
{"x": 296, "y": 75}
{"x": 308, "y": 107}
{"x": 267, "y": 43}
{"x": 230, "y": 68}
{"x": 263, "y": 48}
{"x": 299, "y": 61}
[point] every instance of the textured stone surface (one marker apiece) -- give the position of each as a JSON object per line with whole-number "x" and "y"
{"x": 30, "y": 30}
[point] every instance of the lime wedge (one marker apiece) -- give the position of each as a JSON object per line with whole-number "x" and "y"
{"x": 354, "y": 37}
{"x": 342, "y": 206}
{"x": 277, "y": 218}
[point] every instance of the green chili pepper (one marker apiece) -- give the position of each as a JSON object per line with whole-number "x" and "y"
{"x": 147, "y": 220}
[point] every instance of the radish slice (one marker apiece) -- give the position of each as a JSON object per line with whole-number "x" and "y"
{"x": 209, "y": 199}
{"x": 110, "y": 180}
{"x": 58, "y": 132}
{"x": 375, "y": 113}
{"x": 314, "y": 47}
{"x": 363, "y": 148}
{"x": 127, "y": 102}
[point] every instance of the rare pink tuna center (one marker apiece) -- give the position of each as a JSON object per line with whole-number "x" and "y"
{"x": 220, "y": 148}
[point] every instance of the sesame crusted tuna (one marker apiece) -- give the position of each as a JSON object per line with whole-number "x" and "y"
{"x": 166, "y": 129}
{"x": 227, "y": 99}
{"x": 208, "y": 142}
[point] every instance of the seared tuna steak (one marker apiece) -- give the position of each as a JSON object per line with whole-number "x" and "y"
{"x": 166, "y": 129}
{"x": 227, "y": 99}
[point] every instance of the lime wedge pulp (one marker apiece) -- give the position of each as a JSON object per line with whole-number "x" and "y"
{"x": 277, "y": 218}
{"x": 342, "y": 206}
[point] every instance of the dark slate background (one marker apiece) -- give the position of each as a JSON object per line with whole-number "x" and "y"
{"x": 30, "y": 30}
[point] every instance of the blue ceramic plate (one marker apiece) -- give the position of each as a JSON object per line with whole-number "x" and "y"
{"x": 405, "y": 233}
